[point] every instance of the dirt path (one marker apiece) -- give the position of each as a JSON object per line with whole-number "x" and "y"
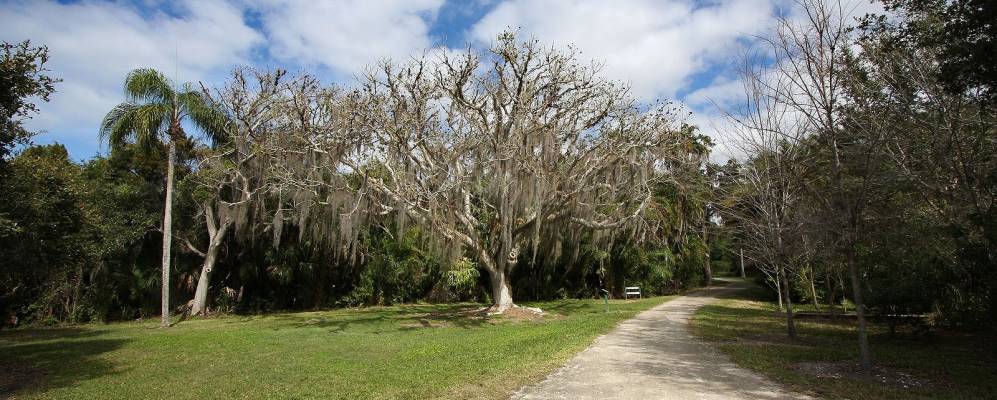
{"x": 654, "y": 356}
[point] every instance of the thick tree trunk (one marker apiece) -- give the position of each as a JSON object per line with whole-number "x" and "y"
{"x": 864, "y": 357}
{"x": 216, "y": 237}
{"x": 790, "y": 323}
{"x": 501, "y": 292}
{"x": 204, "y": 280}
{"x": 168, "y": 234}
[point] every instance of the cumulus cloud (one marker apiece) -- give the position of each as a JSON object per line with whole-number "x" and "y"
{"x": 676, "y": 49}
{"x": 346, "y": 36}
{"x": 657, "y": 46}
{"x": 93, "y": 46}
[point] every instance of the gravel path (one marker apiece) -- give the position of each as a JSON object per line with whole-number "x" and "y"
{"x": 654, "y": 356}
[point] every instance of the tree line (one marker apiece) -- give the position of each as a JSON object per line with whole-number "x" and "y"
{"x": 513, "y": 172}
{"x": 870, "y": 165}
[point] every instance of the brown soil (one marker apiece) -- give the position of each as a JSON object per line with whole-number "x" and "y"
{"x": 852, "y": 370}
{"x": 483, "y": 315}
{"x": 521, "y": 314}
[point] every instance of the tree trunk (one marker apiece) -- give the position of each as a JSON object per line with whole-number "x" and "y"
{"x": 707, "y": 268}
{"x": 201, "y": 293}
{"x": 742, "y": 264}
{"x": 778, "y": 291}
{"x": 216, "y": 237}
{"x": 501, "y": 292}
{"x": 77, "y": 289}
{"x": 168, "y": 234}
{"x": 864, "y": 357}
{"x": 790, "y": 323}
{"x": 831, "y": 291}
{"x": 204, "y": 280}
{"x": 813, "y": 288}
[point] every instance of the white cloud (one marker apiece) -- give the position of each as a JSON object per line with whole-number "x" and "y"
{"x": 721, "y": 92}
{"x": 657, "y": 46}
{"x": 346, "y": 36}
{"x": 92, "y": 46}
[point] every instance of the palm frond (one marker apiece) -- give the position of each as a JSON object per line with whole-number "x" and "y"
{"x": 132, "y": 123}
{"x": 205, "y": 115}
{"x": 147, "y": 85}
{"x": 152, "y": 122}
{"x": 118, "y": 125}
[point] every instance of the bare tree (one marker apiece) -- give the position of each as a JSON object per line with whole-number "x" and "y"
{"x": 812, "y": 51}
{"x": 767, "y": 202}
{"x": 230, "y": 175}
{"x": 498, "y": 153}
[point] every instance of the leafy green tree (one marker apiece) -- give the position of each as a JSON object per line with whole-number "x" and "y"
{"x": 42, "y": 254}
{"x": 154, "y": 113}
{"x": 22, "y": 77}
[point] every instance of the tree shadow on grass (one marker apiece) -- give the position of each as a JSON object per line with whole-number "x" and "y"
{"x": 36, "y": 360}
{"x": 570, "y": 307}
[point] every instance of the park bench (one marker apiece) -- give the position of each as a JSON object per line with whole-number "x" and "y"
{"x": 631, "y": 291}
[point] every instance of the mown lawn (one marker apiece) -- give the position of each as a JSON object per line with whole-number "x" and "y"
{"x": 940, "y": 365}
{"x": 413, "y": 351}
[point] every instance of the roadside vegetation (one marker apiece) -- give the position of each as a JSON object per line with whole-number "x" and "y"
{"x": 821, "y": 360}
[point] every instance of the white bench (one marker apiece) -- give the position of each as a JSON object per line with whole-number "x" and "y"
{"x": 631, "y": 291}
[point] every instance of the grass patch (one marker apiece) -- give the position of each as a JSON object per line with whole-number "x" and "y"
{"x": 412, "y": 351}
{"x": 940, "y": 365}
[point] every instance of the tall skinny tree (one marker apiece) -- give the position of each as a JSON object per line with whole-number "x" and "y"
{"x": 152, "y": 116}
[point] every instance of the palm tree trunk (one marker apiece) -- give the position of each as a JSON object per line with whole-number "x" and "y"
{"x": 168, "y": 234}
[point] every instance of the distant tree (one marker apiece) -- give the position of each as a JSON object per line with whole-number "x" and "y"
{"x": 154, "y": 113}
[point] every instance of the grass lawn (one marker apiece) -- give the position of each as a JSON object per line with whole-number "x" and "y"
{"x": 942, "y": 365}
{"x": 412, "y": 351}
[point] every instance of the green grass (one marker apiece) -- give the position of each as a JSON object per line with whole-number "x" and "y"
{"x": 955, "y": 366}
{"x": 413, "y": 351}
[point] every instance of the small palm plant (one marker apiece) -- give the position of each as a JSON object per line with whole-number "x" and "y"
{"x": 152, "y": 115}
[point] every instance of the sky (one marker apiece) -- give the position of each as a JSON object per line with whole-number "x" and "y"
{"x": 683, "y": 50}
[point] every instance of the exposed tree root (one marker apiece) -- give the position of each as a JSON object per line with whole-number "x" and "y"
{"x": 502, "y": 309}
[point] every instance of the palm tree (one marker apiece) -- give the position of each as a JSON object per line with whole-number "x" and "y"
{"x": 153, "y": 113}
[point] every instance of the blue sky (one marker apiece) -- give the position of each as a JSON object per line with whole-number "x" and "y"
{"x": 666, "y": 49}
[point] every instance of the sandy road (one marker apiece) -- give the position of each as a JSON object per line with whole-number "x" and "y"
{"x": 654, "y": 356}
